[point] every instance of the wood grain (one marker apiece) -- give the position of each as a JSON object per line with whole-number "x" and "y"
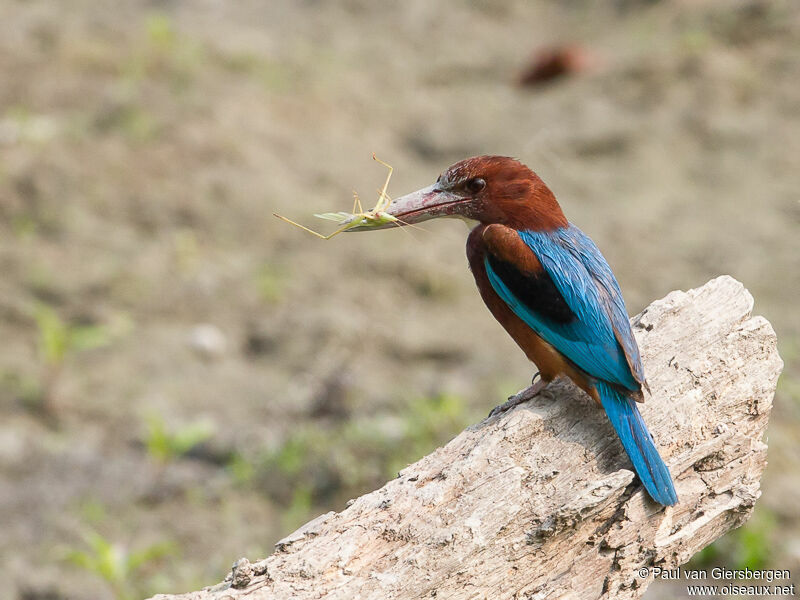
{"x": 540, "y": 502}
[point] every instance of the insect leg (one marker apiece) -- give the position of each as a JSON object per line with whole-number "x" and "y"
{"x": 357, "y": 203}
{"x": 383, "y": 202}
{"x": 311, "y": 231}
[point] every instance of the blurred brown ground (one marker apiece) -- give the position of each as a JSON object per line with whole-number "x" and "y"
{"x": 143, "y": 148}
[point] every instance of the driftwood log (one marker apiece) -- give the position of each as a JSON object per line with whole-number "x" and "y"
{"x": 540, "y": 502}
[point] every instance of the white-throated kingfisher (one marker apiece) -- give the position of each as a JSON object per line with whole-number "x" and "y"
{"x": 551, "y": 289}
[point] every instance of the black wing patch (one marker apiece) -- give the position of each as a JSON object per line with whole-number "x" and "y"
{"x": 538, "y": 292}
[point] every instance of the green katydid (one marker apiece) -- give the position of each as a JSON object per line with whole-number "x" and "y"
{"x": 375, "y": 217}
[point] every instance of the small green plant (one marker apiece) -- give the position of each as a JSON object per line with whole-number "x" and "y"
{"x": 750, "y": 546}
{"x": 166, "y": 55}
{"x": 57, "y": 340}
{"x": 160, "y": 31}
{"x": 137, "y": 123}
{"x": 241, "y": 469}
{"x": 119, "y": 567}
{"x": 165, "y": 446}
{"x": 323, "y": 465}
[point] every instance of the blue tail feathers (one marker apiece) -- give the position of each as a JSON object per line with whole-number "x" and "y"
{"x": 638, "y": 444}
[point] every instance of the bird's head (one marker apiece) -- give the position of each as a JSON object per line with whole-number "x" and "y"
{"x": 488, "y": 189}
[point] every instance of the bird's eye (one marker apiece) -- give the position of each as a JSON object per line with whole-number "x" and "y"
{"x": 475, "y": 185}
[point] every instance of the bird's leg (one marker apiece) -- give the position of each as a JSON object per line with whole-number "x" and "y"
{"x": 537, "y": 385}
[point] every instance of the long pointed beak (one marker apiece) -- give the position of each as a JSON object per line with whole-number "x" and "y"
{"x": 422, "y": 205}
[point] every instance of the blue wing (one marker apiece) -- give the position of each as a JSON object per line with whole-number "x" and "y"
{"x": 576, "y": 306}
{"x": 598, "y": 339}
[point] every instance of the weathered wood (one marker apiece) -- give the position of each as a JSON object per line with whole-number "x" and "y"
{"x": 540, "y": 502}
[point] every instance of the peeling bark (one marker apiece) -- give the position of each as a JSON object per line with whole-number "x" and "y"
{"x": 540, "y": 502}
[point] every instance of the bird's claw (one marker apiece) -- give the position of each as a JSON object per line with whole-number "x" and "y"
{"x": 520, "y": 397}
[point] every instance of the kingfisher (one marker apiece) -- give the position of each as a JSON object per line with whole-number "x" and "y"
{"x": 548, "y": 285}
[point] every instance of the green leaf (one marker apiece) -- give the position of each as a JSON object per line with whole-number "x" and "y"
{"x": 87, "y": 337}
{"x": 53, "y": 335}
{"x": 191, "y": 435}
{"x": 137, "y": 560}
{"x": 164, "y": 445}
{"x": 115, "y": 565}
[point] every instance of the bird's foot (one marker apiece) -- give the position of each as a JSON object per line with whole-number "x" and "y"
{"x": 537, "y": 385}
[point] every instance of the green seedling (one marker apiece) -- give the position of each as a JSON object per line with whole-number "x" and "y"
{"x": 166, "y": 446}
{"x": 57, "y": 339}
{"x": 242, "y": 470}
{"x": 116, "y": 565}
{"x": 160, "y": 31}
{"x": 376, "y": 217}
